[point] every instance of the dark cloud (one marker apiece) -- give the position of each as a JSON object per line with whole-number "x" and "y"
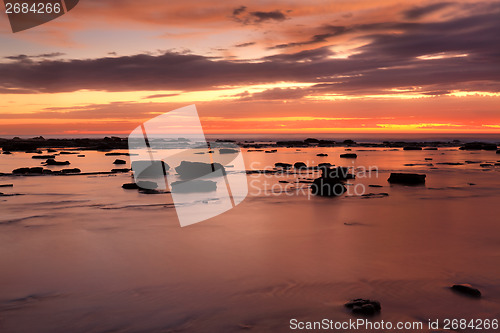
{"x": 160, "y": 96}
{"x": 275, "y": 94}
{"x": 27, "y": 57}
{"x": 389, "y": 61}
{"x": 241, "y": 15}
{"x": 245, "y": 44}
{"x": 419, "y": 12}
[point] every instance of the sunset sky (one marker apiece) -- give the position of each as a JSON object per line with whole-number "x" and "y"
{"x": 256, "y": 67}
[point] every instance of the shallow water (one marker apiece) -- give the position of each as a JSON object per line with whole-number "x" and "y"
{"x": 80, "y": 254}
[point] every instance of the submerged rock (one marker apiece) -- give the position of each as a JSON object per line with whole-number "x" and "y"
{"x": 130, "y": 186}
{"x": 300, "y": 165}
{"x": 193, "y": 186}
{"x": 6, "y": 185}
{"x": 363, "y": 306}
{"x": 120, "y": 170}
{"x": 51, "y": 161}
{"x": 191, "y": 170}
{"x": 407, "y": 178}
{"x": 321, "y": 155}
{"x": 118, "y": 161}
{"x": 282, "y": 165}
{"x": 349, "y": 155}
{"x": 43, "y": 157}
{"x": 466, "y": 289}
{"x": 74, "y": 170}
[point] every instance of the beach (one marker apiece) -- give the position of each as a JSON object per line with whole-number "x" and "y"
{"x": 81, "y": 254}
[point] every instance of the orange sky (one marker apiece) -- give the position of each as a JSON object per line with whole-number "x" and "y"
{"x": 256, "y": 67}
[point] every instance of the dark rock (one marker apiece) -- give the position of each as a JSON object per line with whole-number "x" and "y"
{"x": 148, "y": 168}
{"x": 428, "y": 159}
{"x": 282, "y": 165}
{"x": 486, "y": 165}
{"x": 374, "y": 195}
{"x": 325, "y": 165}
{"x": 51, "y": 151}
{"x": 191, "y": 170}
{"x": 412, "y": 148}
{"x": 130, "y": 186}
{"x": 271, "y": 151}
{"x": 47, "y": 171}
{"x": 431, "y": 148}
{"x": 407, "y": 178}
{"x": 148, "y": 185}
{"x": 6, "y": 185}
{"x": 228, "y": 151}
{"x": 498, "y": 151}
{"x": 36, "y": 170}
{"x": 81, "y": 156}
{"x": 300, "y": 165}
{"x": 21, "y": 171}
{"x": 74, "y": 170}
{"x": 68, "y": 153}
{"x": 120, "y": 170}
{"x": 322, "y": 155}
{"x": 7, "y": 153}
{"x": 51, "y": 161}
{"x": 118, "y": 161}
{"x": 327, "y": 187}
{"x": 283, "y": 182}
{"x": 450, "y": 163}
{"x": 117, "y": 154}
{"x": 43, "y": 157}
{"x": 363, "y": 306}
{"x": 466, "y": 289}
{"x": 375, "y": 186}
{"x": 191, "y": 186}
{"x": 479, "y": 146}
{"x": 349, "y": 155}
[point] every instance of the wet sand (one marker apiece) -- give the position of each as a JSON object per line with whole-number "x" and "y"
{"x": 81, "y": 254}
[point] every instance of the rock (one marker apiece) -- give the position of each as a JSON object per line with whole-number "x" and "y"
{"x": 51, "y": 151}
{"x": 375, "y": 186}
{"x": 36, "y": 170}
{"x": 271, "y": 151}
{"x": 120, "y": 170}
{"x": 412, "y": 148}
{"x": 498, "y": 151}
{"x": 228, "y": 151}
{"x": 431, "y": 148}
{"x": 466, "y": 289}
{"x": 450, "y": 163}
{"x": 479, "y": 146}
{"x": 407, "y": 178}
{"x": 192, "y": 170}
{"x": 325, "y": 165}
{"x": 43, "y": 157}
{"x": 486, "y": 165}
{"x": 374, "y": 195}
{"x": 118, "y": 161}
{"x": 349, "y": 155}
{"x": 74, "y": 170}
{"x": 282, "y": 165}
{"x": 117, "y": 154}
{"x": 191, "y": 186}
{"x": 148, "y": 185}
{"x": 7, "y": 153}
{"x": 130, "y": 186}
{"x": 322, "y": 155}
{"x": 51, "y": 161}
{"x": 148, "y": 168}
{"x": 68, "y": 153}
{"x": 428, "y": 159}
{"x": 341, "y": 173}
{"x": 81, "y": 156}
{"x": 6, "y": 185}
{"x": 363, "y": 306}
{"x": 21, "y": 171}
{"x": 331, "y": 182}
{"x": 300, "y": 165}
{"x": 283, "y": 182}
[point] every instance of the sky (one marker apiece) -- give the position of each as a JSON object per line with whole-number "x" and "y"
{"x": 319, "y": 66}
